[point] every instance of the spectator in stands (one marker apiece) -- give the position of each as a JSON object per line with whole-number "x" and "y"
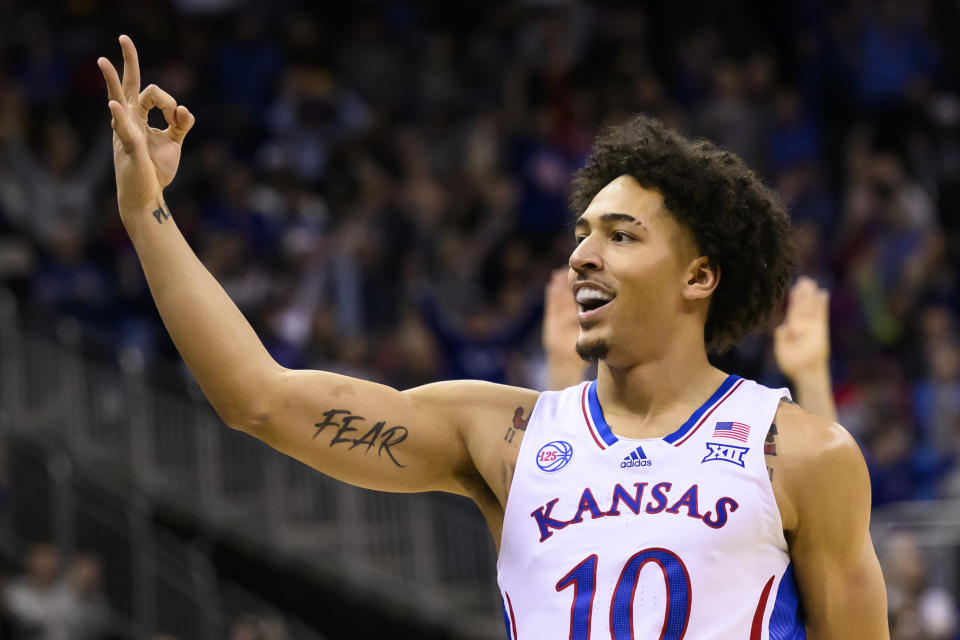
{"x": 259, "y": 628}
{"x": 80, "y": 611}
{"x": 918, "y": 609}
{"x": 31, "y": 598}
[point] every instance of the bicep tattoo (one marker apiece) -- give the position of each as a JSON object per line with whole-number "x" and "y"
{"x": 379, "y": 436}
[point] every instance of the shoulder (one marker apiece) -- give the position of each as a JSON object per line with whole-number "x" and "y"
{"x": 815, "y": 458}
{"x": 466, "y": 401}
{"x": 812, "y": 440}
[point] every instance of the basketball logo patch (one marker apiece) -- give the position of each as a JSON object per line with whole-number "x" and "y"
{"x": 554, "y": 456}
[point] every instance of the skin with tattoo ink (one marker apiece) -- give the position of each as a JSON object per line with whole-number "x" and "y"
{"x": 161, "y": 214}
{"x": 388, "y": 438}
{"x": 519, "y": 424}
{"x": 770, "y": 445}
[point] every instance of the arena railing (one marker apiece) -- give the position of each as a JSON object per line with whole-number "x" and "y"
{"x": 155, "y": 583}
{"x": 430, "y": 554}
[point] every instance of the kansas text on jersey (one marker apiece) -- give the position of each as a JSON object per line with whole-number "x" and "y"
{"x": 656, "y": 539}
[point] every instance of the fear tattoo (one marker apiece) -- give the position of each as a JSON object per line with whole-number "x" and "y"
{"x": 161, "y": 214}
{"x": 770, "y": 445}
{"x": 519, "y": 424}
{"x": 379, "y": 435}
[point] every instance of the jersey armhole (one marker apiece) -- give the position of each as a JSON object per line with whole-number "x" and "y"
{"x": 524, "y": 443}
{"x": 767, "y": 480}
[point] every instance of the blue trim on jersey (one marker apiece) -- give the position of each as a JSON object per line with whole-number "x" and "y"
{"x": 506, "y": 618}
{"x": 596, "y": 412}
{"x": 786, "y": 620}
{"x": 695, "y": 416}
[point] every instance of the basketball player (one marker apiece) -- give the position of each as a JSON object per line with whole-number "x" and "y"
{"x": 666, "y": 499}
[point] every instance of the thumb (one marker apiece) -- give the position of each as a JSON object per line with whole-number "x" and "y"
{"x": 121, "y": 124}
{"x": 182, "y": 123}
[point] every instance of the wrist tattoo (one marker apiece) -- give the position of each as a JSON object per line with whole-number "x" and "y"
{"x": 161, "y": 213}
{"x": 379, "y": 435}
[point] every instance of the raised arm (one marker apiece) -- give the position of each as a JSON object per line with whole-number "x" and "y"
{"x": 801, "y": 345}
{"x": 358, "y": 431}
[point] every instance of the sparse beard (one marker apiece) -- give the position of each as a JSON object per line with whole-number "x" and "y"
{"x": 593, "y": 350}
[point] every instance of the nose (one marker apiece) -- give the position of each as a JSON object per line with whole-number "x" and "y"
{"x": 585, "y": 256}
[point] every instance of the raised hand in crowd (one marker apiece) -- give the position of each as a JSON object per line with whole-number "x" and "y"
{"x": 801, "y": 346}
{"x": 560, "y": 332}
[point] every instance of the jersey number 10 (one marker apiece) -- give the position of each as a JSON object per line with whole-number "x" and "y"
{"x": 583, "y": 577}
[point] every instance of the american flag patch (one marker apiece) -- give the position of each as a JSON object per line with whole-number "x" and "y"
{"x": 732, "y": 430}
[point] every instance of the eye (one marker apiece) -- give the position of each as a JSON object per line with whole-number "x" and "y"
{"x": 620, "y": 236}
{"x": 579, "y": 239}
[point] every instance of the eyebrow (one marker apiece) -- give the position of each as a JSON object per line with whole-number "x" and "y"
{"x": 607, "y": 218}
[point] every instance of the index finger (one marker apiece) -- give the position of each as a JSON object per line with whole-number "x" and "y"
{"x": 131, "y": 69}
{"x": 112, "y": 78}
{"x": 808, "y": 300}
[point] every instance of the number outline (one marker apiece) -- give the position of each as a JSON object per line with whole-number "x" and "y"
{"x": 666, "y": 585}
{"x": 576, "y": 575}
{"x": 569, "y": 579}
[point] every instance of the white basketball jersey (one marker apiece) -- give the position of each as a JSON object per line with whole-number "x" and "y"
{"x": 655, "y": 539}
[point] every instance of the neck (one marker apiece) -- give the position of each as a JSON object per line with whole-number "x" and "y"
{"x": 652, "y": 398}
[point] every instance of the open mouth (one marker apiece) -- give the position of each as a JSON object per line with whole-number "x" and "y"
{"x": 592, "y": 299}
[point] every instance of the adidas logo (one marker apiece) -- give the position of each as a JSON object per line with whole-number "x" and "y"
{"x": 637, "y": 458}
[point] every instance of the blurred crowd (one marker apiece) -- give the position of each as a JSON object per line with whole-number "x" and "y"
{"x": 381, "y": 186}
{"x": 46, "y": 603}
{"x": 53, "y": 600}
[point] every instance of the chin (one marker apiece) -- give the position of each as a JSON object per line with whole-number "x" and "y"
{"x": 592, "y": 350}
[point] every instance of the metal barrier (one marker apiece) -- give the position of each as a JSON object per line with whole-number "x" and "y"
{"x": 429, "y": 553}
{"x": 154, "y": 583}
{"x": 934, "y": 526}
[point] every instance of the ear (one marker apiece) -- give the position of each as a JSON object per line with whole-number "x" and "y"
{"x": 702, "y": 279}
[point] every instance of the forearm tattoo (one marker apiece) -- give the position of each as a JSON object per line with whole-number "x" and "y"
{"x": 384, "y": 439}
{"x": 162, "y": 213}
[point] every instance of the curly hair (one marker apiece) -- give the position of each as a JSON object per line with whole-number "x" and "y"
{"x": 737, "y": 222}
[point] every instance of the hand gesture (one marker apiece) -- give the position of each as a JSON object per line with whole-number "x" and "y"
{"x": 145, "y": 158}
{"x": 801, "y": 344}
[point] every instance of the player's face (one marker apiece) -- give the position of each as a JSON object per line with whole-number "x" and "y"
{"x": 628, "y": 272}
